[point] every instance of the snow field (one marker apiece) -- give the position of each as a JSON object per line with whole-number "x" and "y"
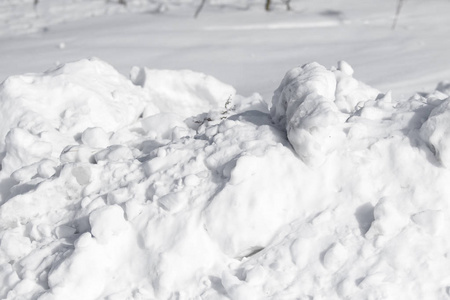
{"x": 236, "y": 41}
{"x": 21, "y": 16}
{"x": 169, "y": 185}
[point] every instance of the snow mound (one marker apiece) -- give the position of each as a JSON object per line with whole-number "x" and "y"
{"x": 166, "y": 187}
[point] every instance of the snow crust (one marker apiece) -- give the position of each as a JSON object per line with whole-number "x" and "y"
{"x": 169, "y": 185}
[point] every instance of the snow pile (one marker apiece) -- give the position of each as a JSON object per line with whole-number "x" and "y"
{"x": 171, "y": 186}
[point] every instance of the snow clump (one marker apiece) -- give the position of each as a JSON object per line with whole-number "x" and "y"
{"x": 311, "y": 102}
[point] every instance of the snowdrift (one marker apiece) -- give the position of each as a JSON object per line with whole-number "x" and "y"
{"x": 169, "y": 185}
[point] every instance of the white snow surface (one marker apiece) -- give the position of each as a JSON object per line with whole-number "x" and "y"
{"x": 21, "y": 16}
{"x": 169, "y": 185}
{"x": 235, "y": 41}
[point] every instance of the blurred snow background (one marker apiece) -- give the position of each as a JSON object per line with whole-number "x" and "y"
{"x": 235, "y": 41}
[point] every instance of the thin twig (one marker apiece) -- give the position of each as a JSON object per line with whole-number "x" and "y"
{"x": 199, "y": 9}
{"x": 397, "y": 13}
{"x": 288, "y": 5}
{"x": 267, "y": 6}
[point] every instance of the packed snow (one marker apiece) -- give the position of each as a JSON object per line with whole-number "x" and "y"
{"x": 171, "y": 184}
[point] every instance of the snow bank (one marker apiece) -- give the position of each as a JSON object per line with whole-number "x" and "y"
{"x": 166, "y": 187}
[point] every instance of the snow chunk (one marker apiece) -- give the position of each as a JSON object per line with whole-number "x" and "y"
{"x": 95, "y": 137}
{"x": 185, "y": 92}
{"x": 350, "y": 92}
{"x": 389, "y": 218}
{"x": 76, "y": 153}
{"x": 15, "y": 245}
{"x": 432, "y": 221}
{"x": 114, "y": 153}
{"x": 444, "y": 87}
{"x": 436, "y": 132}
{"x": 303, "y": 103}
{"x": 310, "y": 103}
{"x": 345, "y": 68}
{"x": 23, "y": 148}
{"x": 297, "y": 85}
{"x": 106, "y": 222}
{"x": 82, "y": 174}
{"x": 335, "y": 257}
{"x": 164, "y": 126}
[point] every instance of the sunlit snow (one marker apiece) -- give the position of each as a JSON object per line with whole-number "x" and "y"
{"x": 127, "y": 171}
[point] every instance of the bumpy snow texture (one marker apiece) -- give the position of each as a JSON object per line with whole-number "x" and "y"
{"x": 168, "y": 185}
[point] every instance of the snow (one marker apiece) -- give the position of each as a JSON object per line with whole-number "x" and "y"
{"x": 185, "y": 93}
{"x": 170, "y": 184}
{"x": 413, "y": 58}
{"x": 233, "y": 205}
{"x": 22, "y": 16}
